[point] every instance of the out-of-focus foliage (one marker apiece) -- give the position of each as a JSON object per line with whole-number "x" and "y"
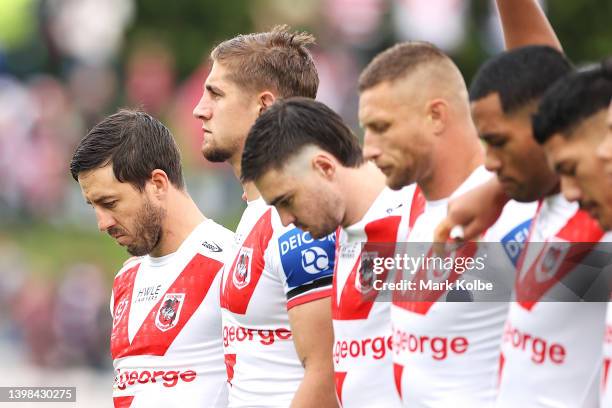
{"x": 189, "y": 27}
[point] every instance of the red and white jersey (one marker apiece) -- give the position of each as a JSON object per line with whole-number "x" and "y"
{"x": 606, "y": 383}
{"x": 552, "y": 351}
{"x": 166, "y": 336}
{"x": 362, "y": 328}
{"x": 273, "y": 269}
{"x": 446, "y": 353}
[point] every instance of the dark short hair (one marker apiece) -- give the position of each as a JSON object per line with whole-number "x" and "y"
{"x": 399, "y": 61}
{"x": 519, "y": 76}
{"x": 277, "y": 60}
{"x": 572, "y": 100}
{"x": 135, "y": 144}
{"x": 288, "y": 126}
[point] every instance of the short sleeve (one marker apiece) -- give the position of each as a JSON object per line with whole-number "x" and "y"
{"x": 305, "y": 265}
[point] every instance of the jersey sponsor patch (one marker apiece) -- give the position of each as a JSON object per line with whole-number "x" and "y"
{"x": 305, "y": 259}
{"x": 514, "y": 241}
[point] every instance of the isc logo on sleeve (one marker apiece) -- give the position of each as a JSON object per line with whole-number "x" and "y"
{"x": 304, "y": 258}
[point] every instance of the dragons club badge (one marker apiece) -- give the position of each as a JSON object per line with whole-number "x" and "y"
{"x": 169, "y": 311}
{"x": 242, "y": 269}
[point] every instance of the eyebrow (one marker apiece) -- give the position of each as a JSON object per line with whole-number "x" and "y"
{"x": 100, "y": 199}
{"x": 278, "y": 199}
{"x": 213, "y": 89}
{"x": 492, "y": 136}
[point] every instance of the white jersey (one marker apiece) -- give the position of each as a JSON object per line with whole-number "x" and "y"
{"x": 274, "y": 268}
{"x": 166, "y": 336}
{"x": 552, "y": 351}
{"x": 362, "y": 328}
{"x": 606, "y": 384}
{"x": 446, "y": 349}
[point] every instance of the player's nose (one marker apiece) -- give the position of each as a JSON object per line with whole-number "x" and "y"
{"x": 203, "y": 109}
{"x": 286, "y": 217}
{"x": 570, "y": 189}
{"x": 105, "y": 220}
{"x": 371, "y": 150}
{"x": 492, "y": 162}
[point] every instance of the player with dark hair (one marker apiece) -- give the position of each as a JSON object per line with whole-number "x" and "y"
{"x": 502, "y": 114}
{"x": 165, "y": 339}
{"x": 308, "y": 164}
{"x": 570, "y": 123}
{"x": 277, "y": 327}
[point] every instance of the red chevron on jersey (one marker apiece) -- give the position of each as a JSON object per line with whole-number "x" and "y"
{"x": 340, "y": 376}
{"x": 357, "y": 299}
{"x": 122, "y": 402}
{"x": 557, "y": 258}
{"x": 122, "y": 296}
{"x": 247, "y": 267}
{"x": 398, "y": 371}
{"x": 417, "y": 207}
{"x": 230, "y": 362}
{"x": 168, "y": 317}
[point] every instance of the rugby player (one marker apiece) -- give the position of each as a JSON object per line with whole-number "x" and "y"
{"x": 308, "y": 164}
{"x": 165, "y": 341}
{"x": 275, "y": 296}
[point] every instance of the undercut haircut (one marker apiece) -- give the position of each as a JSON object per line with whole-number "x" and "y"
{"x": 277, "y": 60}
{"x": 135, "y": 144}
{"x": 290, "y": 125}
{"x": 519, "y": 76}
{"x": 399, "y": 61}
{"x": 572, "y": 100}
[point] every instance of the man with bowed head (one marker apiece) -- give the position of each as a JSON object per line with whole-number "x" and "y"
{"x": 308, "y": 164}
{"x": 165, "y": 339}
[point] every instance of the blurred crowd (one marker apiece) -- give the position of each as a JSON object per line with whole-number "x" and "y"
{"x": 64, "y": 65}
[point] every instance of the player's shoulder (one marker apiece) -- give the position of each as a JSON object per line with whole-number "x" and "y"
{"x": 212, "y": 240}
{"x": 129, "y": 264}
{"x": 513, "y": 222}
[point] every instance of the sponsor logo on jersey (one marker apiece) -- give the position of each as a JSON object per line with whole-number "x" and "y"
{"x": 304, "y": 258}
{"x": 148, "y": 293}
{"x": 371, "y": 347}
{"x": 169, "y": 311}
{"x": 120, "y": 311}
{"x": 212, "y": 246}
{"x": 364, "y": 278}
{"x": 436, "y": 347}
{"x": 168, "y": 379}
{"x": 514, "y": 241}
{"x": 233, "y": 334}
{"x": 315, "y": 260}
{"x": 242, "y": 271}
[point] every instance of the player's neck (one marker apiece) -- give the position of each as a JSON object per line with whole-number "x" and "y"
{"x": 451, "y": 167}
{"x": 182, "y": 217}
{"x": 361, "y": 185}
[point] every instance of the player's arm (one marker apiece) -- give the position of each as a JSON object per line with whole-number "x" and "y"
{"x": 524, "y": 23}
{"x": 475, "y": 211}
{"x": 311, "y": 325}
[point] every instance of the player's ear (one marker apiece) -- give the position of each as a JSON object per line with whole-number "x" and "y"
{"x": 436, "y": 112}
{"x": 324, "y": 165}
{"x": 265, "y": 100}
{"x": 159, "y": 183}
